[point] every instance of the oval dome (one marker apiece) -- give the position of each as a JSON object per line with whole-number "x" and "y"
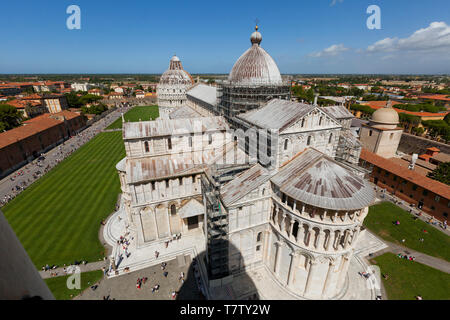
{"x": 386, "y": 115}
{"x": 255, "y": 66}
{"x": 176, "y": 74}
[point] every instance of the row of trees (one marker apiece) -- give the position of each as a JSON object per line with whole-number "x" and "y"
{"x": 75, "y": 101}
{"x": 10, "y": 117}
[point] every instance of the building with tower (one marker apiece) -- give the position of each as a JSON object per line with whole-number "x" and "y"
{"x": 382, "y": 134}
{"x": 173, "y": 84}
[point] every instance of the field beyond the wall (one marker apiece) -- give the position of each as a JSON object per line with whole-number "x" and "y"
{"x": 57, "y": 219}
{"x": 408, "y": 279}
{"x": 381, "y": 220}
{"x": 144, "y": 113}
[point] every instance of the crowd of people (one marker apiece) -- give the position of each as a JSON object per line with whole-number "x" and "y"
{"x": 25, "y": 176}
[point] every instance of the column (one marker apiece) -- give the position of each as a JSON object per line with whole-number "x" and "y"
{"x": 291, "y": 227}
{"x": 311, "y": 273}
{"x": 303, "y": 209}
{"x": 343, "y": 272}
{"x": 321, "y": 241}
{"x": 346, "y": 236}
{"x": 283, "y": 225}
{"x": 295, "y": 205}
{"x": 292, "y": 266}
{"x": 317, "y": 239}
{"x": 300, "y": 234}
{"x": 277, "y": 258}
{"x": 330, "y": 240}
{"x": 345, "y": 216}
{"x": 335, "y": 216}
{"x": 267, "y": 246}
{"x": 330, "y": 278}
{"x": 355, "y": 235}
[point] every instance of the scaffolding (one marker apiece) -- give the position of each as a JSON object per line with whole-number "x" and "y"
{"x": 235, "y": 99}
{"x": 217, "y": 242}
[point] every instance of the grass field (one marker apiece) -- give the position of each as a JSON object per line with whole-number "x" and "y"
{"x": 57, "y": 219}
{"x": 407, "y": 279}
{"x": 58, "y": 285}
{"x": 145, "y": 113}
{"x": 381, "y": 220}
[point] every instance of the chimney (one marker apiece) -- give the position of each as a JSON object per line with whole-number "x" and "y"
{"x": 413, "y": 161}
{"x": 315, "y": 99}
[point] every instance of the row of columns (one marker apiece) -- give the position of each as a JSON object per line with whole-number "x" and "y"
{"x": 313, "y": 266}
{"x": 319, "y": 239}
{"x": 300, "y": 208}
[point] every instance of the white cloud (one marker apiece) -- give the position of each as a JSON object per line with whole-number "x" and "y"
{"x": 334, "y": 50}
{"x": 433, "y": 38}
{"x": 335, "y": 1}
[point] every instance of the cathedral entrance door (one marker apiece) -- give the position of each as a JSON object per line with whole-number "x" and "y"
{"x": 192, "y": 222}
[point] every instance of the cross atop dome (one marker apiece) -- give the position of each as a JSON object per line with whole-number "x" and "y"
{"x": 256, "y": 37}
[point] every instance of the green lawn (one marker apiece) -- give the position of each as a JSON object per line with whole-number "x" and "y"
{"x": 57, "y": 219}
{"x": 407, "y": 279}
{"x": 145, "y": 113}
{"x": 58, "y": 285}
{"x": 380, "y": 220}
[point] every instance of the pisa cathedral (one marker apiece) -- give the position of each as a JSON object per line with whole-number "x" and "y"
{"x": 294, "y": 211}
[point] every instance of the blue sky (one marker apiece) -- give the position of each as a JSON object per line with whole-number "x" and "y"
{"x": 317, "y": 36}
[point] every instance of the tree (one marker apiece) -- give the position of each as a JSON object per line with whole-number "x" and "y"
{"x": 441, "y": 173}
{"x": 10, "y": 117}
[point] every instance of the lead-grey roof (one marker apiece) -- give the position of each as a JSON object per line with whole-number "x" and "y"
{"x": 316, "y": 179}
{"x": 179, "y": 164}
{"x": 277, "y": 114}
{"x": 204, "y": 93}
{"x": 244, "y": 184}
{"x": 338, "y": 112}
{"x": 183, "y": 113}
{"x": 167, "y": 127}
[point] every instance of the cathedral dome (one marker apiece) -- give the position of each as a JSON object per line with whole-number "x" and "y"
{"x": 255, "y": 66}
{"x": 385, "y": 116}
{"x": 176, "y": 74}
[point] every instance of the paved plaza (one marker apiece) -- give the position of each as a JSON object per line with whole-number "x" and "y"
{"x": 124, "y": 286}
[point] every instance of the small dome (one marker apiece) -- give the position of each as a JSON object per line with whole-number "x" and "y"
{"x": 386, "y": 115}
{"x": 176, "y": 74}
{"x": 255, "y": 66}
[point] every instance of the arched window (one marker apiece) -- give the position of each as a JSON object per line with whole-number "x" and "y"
{"x": 263, "y": 191}
{"x": 286, "y": 141}
{"x": 320, "y": 121}
{"x": 303, "y": 122}
{"x": 169, "y": 142}
{"x": 147, "y": 149}
{"x": 210, "y": 139}
{"x": 330, "y": 138}
{"x": 190, "y": 142}
{"x": 173, "y": 210}
{"x": 370, "y": 133}
{"x": 258, "y": 237}
{"x": 309, "y": 141}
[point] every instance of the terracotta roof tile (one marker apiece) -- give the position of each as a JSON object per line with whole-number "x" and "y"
{"x": 434, "y": 186}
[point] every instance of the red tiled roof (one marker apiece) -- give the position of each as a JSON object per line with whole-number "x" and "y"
{"x": 436, "y": 97}
{"x": 33, "y": 126}
{"x": 434, "y": 186}
{"x": 434, "y": 149}
{"x": 381, "y": 104}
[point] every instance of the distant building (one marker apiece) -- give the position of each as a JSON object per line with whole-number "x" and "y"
{"x": 95, "y": 92}
{"x": 173, "y": 85}
{"x": 409, "y": 185}
{"x": 382, "y": 135}
{"x": 20, "y": 145}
